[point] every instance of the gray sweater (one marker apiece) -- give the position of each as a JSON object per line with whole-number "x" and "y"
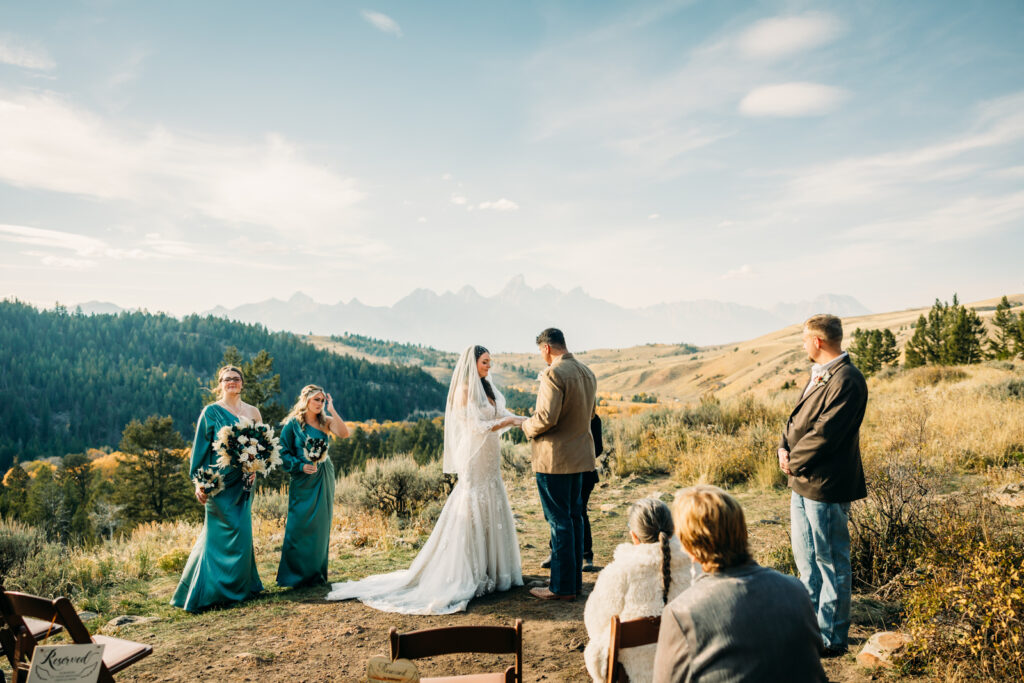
{"x": 745, "y": 623}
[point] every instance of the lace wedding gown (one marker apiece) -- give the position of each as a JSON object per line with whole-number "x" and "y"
{"x": 473, "y": 548}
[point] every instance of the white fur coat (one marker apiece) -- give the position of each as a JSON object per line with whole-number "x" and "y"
{"x": 631, "y": 587}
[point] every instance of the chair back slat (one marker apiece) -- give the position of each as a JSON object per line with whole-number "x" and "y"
{"x": 637, "y": 632}
{"x": 496, "y": 640}
{"x": 627, "y": 634}
{"x": 59, "y": 611}
{"x": 458, "y": 639}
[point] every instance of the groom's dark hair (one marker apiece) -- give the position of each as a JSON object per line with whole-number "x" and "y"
{"x": 552, "y": 337}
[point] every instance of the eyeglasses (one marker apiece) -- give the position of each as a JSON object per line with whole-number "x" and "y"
{"x": 231, "y": 380}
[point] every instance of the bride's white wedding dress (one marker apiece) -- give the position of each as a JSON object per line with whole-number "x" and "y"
{"x": 473, "y": 549}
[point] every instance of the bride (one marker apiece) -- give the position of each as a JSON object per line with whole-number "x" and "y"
{"x": 473, "y": 549}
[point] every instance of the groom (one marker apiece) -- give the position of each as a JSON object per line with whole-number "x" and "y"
{"x": 563, "y": 449}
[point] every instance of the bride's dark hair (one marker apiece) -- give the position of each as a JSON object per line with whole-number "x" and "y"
{"x": 477, "y": 352}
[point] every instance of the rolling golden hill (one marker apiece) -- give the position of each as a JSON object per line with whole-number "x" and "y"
{"x": 675, "y": 374}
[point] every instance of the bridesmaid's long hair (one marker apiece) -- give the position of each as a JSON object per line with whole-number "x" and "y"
{"x": 298, "y": 410}
{"x": 477, "y": 352}
{"x": 651, "y": 521}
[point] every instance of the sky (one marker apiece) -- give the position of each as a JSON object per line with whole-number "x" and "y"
{"x": 177, "y": 156}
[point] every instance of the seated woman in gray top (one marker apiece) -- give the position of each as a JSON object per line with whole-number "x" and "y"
{"x": 738, "y": 621}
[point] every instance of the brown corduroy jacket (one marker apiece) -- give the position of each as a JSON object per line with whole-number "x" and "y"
{"x": 559, "y": 429}
{"x": 823, "y": 438}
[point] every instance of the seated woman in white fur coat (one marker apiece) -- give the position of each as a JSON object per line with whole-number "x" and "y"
{"x": 641, "y": 579}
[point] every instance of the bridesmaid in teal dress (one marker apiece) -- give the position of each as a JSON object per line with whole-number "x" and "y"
{"x": 307, "y": 534}
{"x": 222, "y": 566}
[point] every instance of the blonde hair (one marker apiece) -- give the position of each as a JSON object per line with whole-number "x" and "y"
{"x": 651, "y": 521}
{"x": 711, "y": 527}
{"x": 298, "y": 410}
{"x": 826, "y": 326}
{"x": 218, "y": 391}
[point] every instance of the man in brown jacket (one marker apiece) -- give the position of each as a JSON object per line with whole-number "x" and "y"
{"x": 820, "y": 451}
{"x": 563, "y": 449}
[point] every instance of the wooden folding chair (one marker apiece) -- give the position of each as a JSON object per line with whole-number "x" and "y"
{"x": 456, "y": 639}
{"x": 17, "y": 608}
{"x": 39, "y": 629}
{"x": 625, "y": 634}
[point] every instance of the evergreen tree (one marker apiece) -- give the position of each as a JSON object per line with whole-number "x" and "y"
{"x": 15, "y": 492}
{"x": 1001, "y": 344}
{"x": 1018, "y": 336}
{"x": 916, "y": 350}
{"x": 888, "y": 353}
{"x": 44, "y": 505}
{"x": 152, "y": 477}
{"x": 75, "y": 478}
{"x": 964, "y": 333}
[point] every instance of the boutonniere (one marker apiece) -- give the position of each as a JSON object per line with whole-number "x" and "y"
{"x": 821, "y": 379}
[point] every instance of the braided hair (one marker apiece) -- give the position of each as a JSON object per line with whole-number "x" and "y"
{"x": 651, "y": 521}
{"x": 477, "y": 352}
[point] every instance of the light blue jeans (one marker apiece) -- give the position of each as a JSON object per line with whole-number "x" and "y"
{"x": 821, "y": 549}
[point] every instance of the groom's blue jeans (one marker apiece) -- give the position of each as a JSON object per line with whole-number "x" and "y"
{"x": 561, "y": 498}
{"x": 821, "y": 549}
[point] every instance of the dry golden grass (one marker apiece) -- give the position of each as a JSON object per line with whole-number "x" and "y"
{"x": 959, "y": 424}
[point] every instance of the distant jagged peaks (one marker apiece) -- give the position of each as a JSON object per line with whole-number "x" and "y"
{"x": 510, "y": 319}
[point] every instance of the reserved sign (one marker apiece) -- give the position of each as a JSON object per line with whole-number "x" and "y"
{"x": 66, "y": 664}
{"x": 383, "y": 670}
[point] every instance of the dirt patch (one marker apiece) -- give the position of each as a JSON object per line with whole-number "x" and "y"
{"x": 295, "y": 635}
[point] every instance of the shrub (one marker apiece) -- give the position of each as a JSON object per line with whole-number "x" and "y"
{"x": 777, "y": 556}
{"x": 18, "y": 542}
{"x": 173, "y": 562}
{"x": 271, "y": 504}
{"x": 965, "y": 601}
{"x": 1008, "y": 389}
{"x": 931, "y": 375}
{"x": 398, "y": 485}
{"x": 891, "y": 527}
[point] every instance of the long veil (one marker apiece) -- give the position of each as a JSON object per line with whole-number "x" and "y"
{"x": 466, "y": 416}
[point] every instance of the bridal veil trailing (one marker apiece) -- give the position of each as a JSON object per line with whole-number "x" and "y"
{"x": 473, "y": 549}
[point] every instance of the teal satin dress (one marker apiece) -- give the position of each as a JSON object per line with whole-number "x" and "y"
{"x": 307, "y": 534}
{"x": 222, "y": 566}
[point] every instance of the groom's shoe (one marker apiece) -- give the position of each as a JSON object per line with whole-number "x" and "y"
{"x": 546, "y": 594}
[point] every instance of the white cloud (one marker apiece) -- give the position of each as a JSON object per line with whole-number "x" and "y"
{"x": 86, "y": 252}
{"x": 382, "y": 22}
{"x": 459, "y": 199}
{"x": 499, "y": 205}
{"x": 421, "y": 219}
{"x": 62, "y": 262}
{"x": 18, "y": 53}
{"x": 781, "y": 36}
{"x": 792, "y": 99}
{"x": 654, "y": 217}
{"x": 51, "y": 145}
{"x": 446, "y": 176}
{"x": 744, "y": 272}
{"x": 998, "y": 125}
{"x": 964, "y": 218}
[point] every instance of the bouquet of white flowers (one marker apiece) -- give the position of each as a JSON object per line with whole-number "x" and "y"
{"x": 249, "y": 446}
{"x": 315, "y": 450}
{"x": 208, "y": 480}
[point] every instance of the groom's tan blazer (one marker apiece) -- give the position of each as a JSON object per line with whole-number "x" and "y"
{"x": 559, "y": 429}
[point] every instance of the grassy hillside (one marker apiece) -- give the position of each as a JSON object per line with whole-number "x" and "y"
{"x": 70, "y": 382}
{"x": 757, "y": 366}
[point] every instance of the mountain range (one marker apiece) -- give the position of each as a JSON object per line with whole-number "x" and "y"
{"x": 509, "y": 320}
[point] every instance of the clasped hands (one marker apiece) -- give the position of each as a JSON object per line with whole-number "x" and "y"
{"x": 784, "y": 460}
